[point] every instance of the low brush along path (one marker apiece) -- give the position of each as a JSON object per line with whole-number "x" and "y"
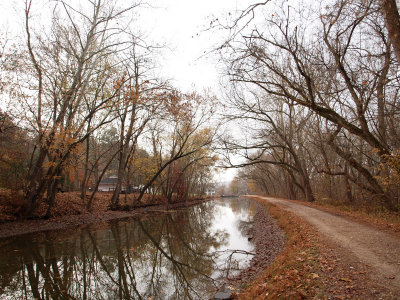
{"x": 375, "y": 250}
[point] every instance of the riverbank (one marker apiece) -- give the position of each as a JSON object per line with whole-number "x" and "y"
{"x": 313, "y": 266}
{"x": 269, "y": 241}
{"x": 76, "y": 216}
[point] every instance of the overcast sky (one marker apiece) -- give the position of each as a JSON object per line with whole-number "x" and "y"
{"x": 181, "y": 24}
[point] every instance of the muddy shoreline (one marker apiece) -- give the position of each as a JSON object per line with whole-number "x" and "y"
{"x": 268, "y": 239}
{"x": 16, "y": 228}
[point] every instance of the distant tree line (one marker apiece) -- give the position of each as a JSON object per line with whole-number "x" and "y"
{"x": 317, "y": 86}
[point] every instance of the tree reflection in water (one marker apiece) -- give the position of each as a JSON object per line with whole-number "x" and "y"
{"x": 169, "y": 256}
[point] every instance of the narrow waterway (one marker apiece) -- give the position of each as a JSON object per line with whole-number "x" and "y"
{"x": 183, "y": 254}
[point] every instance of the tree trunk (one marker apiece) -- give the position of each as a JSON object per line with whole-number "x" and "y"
{"x": 32, "y": 192}
{"x": 98, "y": 179}
{"x": 86, "y": 168}
{"x": 349, "y": 194}
{"x": 120, "y": 176}
{"x": 307, "y": 188}
{"x": 392, "y": 19}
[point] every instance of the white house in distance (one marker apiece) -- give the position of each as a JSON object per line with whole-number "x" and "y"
{"x": 210, "y": 189}
{"x": 210, "y": 192}
{"x": 108, "y": 184}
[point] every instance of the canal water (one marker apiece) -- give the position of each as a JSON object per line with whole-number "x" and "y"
{"x": 184, "y": 254}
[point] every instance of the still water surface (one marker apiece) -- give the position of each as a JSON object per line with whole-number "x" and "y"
{"x": 183, "y": 254}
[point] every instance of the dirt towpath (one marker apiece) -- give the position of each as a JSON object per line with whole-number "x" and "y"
{"x": 377, "y": 250}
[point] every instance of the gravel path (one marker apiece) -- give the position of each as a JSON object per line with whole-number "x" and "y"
{"x": 379, "y": 251}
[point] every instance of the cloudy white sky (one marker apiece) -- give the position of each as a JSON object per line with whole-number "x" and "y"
{"x": 181, "y": 24}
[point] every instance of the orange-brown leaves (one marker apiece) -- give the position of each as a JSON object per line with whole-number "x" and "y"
{"x": 133, "y": 92}
{"x": 390, "y": 170}
{"x": 177, "y": 106}
{"x": 117, "y": 85}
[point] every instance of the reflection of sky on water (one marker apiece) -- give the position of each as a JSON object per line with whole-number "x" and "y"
{"x": 228, "y": 221}
{"x": 169, "y": 256}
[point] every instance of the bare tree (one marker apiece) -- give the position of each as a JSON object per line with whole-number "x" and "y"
{"x": 339, "y": 68}
{"x": 140, "y": 101}
{"x": 183, "y": 137}
{"x": 70, "y": 67}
